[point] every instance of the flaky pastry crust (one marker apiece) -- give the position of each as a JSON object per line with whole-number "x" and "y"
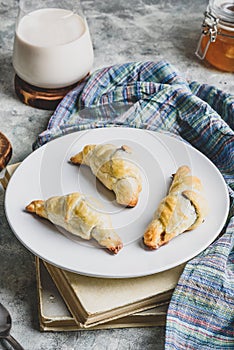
{"x": 77, "y": 216}
{"x": 183, "y": 209}
{"x": 111, "y": 165}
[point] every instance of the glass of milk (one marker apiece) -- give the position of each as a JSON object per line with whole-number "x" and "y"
{"x": 52, "y": 46}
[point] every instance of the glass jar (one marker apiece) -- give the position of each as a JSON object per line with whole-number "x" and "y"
{"x": 216, "y": 43}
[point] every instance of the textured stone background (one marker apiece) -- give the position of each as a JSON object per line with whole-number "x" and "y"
{"x": 121, "y": 31}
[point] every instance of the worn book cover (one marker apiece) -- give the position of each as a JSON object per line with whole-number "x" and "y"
{"x": 7, "y": 172}
{"x": 93, "y": 301}
{"x": 55, "y": 316}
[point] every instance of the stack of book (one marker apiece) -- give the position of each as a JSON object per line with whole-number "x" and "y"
{"x": 69, "y": 301}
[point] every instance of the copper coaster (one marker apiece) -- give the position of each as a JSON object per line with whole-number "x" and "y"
{"x": 5, "y": 151}
{"x": 38, "y": 97}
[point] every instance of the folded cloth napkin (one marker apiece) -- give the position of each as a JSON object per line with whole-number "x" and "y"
{"x": 155, "y": 96}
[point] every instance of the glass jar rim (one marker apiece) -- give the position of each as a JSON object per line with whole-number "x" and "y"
{"x": 222, "y": 9}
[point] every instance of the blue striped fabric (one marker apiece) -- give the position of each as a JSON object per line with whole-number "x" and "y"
{"x": 155, "y": 96}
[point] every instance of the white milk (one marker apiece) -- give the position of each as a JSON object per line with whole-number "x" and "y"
{"x": 52, "y": 48}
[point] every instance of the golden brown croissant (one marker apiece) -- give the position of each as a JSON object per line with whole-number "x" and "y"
{"x": 111, "y": 166}
{"x": 183, "y": 209}
{"x": 77, "y": 216}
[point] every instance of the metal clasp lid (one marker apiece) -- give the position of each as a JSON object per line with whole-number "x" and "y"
{"x": 210, "y": 27}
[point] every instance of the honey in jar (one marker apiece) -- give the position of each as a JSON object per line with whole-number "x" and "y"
{"x": 216, "y": 44}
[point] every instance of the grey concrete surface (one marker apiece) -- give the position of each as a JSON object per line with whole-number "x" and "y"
{"x": 121, "y": 31}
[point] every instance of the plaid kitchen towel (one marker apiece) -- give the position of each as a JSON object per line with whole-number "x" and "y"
{"x": 155, "y": 96}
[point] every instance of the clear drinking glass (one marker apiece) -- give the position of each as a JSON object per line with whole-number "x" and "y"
{"x": 52, "y": 46}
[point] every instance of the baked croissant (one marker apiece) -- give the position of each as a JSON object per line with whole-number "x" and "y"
{"x": 77, "y": 216}
{"x": 111, "y": 166}
{"x": 183, "y": 209}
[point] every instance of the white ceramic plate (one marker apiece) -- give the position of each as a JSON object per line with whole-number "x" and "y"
{"x": 47, "y": 172}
